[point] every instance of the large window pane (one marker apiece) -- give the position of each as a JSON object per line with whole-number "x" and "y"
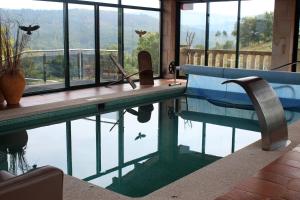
{"x": 104, "y": 1}
{"x": 222, "y": 34}
{"x": 140, "y": 21}
{"x": 42, "y": 60}
{"x": 81, "y": 44}
{"x": 192, "y": 33}
{"x": 143, "y": 3}
{"x": 256, "y": 31}
{"x": 298, "y": 51}
{"x": 108, "y": 43}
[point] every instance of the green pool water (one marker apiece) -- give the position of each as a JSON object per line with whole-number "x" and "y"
{"x": 134, "y": 150}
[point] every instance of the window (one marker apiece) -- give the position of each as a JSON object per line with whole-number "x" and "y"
{"x": 105, "y": 1}
{"x": 298, "y": 47}
{"x": 256, "y": 28}
{"x": 62, "y": 53}
{"x": 192, "y": 33}
{"x": 81, "y": 44}
{"x": 42, "y": 60}
{"x": 141, "y": 32}
{"x": 142, "y": 3}
{"x": 222, "y": 34}
{"x": 211, "y": 34}
{"x": 108, "y": 43}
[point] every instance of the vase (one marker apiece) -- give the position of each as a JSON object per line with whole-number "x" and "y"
{"x": 12, "y": 85}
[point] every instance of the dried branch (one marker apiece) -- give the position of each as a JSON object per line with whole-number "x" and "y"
{"x": 11, "y": 48}
{"x": 189, "y": 41}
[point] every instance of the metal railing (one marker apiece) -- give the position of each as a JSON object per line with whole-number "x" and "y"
{"x": 40, "y": 65}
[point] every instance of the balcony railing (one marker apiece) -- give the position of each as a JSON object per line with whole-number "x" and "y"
{"x": 226, "y": 58}
{"x": 46, "y": 66}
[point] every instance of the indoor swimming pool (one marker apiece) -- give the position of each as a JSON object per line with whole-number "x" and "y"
{"x": 134, "y": 150}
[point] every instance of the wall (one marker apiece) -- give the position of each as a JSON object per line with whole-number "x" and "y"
{"x": 169, "y": 30}
{"x": 283, "y": 32}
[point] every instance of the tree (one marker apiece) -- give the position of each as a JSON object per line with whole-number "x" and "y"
{"x": 255, "y": 30}
{"x": 220, "y": 37}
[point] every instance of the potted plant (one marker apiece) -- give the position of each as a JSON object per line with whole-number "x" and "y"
{"x": 12, "y": 80}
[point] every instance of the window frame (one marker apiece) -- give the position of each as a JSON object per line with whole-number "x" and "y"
{"x": 97, "y": 5}
{"x": 238, "y": 21}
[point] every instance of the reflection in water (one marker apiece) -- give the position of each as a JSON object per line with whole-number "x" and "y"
{"x": 140, "y": 136}
{"x": 134, "y": 158}
{"x": 143, "y": 114}
{"x": 14, "y": 145}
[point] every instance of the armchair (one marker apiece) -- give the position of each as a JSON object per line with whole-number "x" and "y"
{"x": 45, "y": 183}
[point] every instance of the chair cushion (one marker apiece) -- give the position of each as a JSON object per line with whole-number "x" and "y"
{"x": 4, "y": 175}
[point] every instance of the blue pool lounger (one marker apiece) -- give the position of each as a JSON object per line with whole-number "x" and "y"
{"x": 206, "y": 83}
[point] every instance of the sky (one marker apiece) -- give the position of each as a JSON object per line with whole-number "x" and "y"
{"x": 248, "y": 8}
{"x": 32, "y": 4}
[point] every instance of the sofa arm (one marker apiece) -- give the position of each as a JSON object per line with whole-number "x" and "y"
{"x": 45, "y": 183}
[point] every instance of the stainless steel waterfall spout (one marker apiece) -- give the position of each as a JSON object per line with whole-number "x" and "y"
{"x": 273, "y": 125}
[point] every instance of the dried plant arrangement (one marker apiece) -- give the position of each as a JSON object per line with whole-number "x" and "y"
{"x": 11, "y": 46}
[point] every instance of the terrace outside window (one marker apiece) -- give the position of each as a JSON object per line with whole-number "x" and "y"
{"x": 239, "y": 36}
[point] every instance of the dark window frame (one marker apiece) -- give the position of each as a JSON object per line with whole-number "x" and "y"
{"x": 97, "y": 5}
{"x": 237, "y": 49}
{"x": 295, "y": 58}
{"x": 207, "y": 26}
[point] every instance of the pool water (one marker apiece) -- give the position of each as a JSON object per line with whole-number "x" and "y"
{"x": 132, "y": 151}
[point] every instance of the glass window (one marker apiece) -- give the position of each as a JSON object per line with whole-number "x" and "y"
{"x": 256, "y": 34}
{"x": 42, "y": 59}
{"x": 298, "y": 51}
{"x": 222, "y": 34}
{"x": 143, "y": 3}
{"x": 105, "y": 1}
{"x": 141, "y": 32}
{"x": 108, "y": 43}
{"x": 81, "y": 44}
{"x": 192, "y": 33}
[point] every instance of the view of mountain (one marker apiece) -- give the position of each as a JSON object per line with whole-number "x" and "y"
{"x": 81, "y": 27}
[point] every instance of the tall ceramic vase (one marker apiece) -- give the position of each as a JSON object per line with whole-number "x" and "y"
{"x": 12, "y": 85}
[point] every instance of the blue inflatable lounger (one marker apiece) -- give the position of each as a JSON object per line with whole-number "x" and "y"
{"x": 228, "y": 103}
{"x": 206, "y": 83}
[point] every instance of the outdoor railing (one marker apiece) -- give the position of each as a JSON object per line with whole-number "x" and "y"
{"x": 226, "y": 58}
{"x": 47, "y": 66}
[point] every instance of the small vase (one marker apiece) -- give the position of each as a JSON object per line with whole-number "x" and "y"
{"x": 12, "y": 85}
